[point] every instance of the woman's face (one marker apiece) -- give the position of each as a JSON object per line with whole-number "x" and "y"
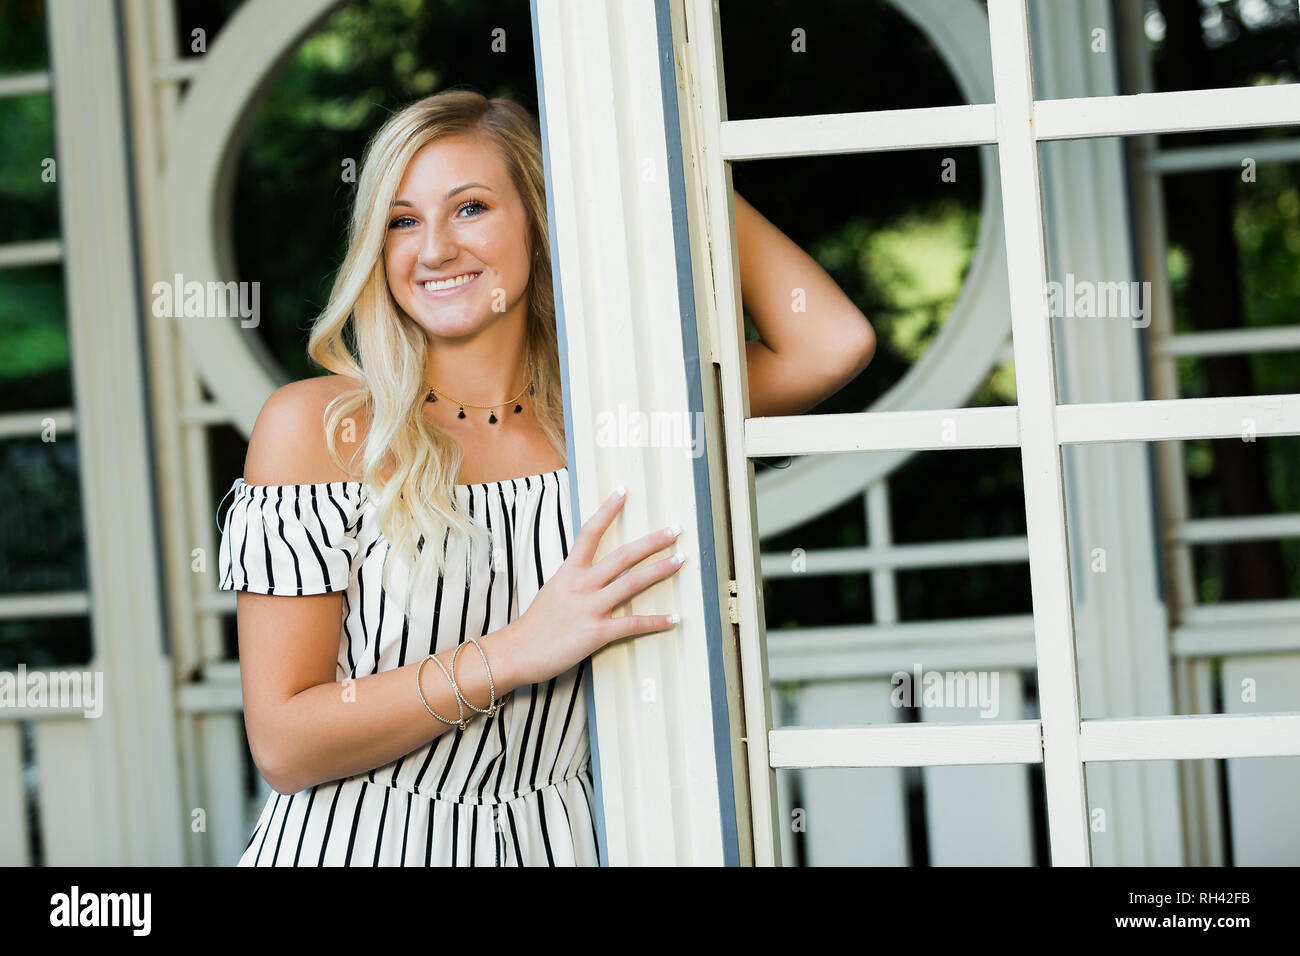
{"x": 441, "y": 227}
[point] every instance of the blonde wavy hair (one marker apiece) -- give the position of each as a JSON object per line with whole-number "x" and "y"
{"x": 416, "y": 502}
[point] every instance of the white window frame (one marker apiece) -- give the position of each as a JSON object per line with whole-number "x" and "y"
{"x": 1038, "y": 425}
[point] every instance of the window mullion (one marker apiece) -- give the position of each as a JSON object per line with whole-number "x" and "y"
{"x": 1040, "y": 451}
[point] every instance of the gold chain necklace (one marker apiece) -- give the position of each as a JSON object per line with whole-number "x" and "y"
{"x": 433, "y": 394}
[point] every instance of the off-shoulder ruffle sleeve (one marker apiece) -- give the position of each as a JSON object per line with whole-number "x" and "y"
{"x": 289, "y": 539}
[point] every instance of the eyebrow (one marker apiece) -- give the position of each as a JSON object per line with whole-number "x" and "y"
{"x": 457, "y": 189}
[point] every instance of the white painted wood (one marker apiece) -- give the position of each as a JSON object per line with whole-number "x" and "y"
{"x": 1262, "y": 793}
{"x": 908, "y": 745}
{"x": 979, "y": 816}
{"x": 872, "y": 650}
{"x": 135, "y": 785}
{"x": 48, "y": 604}
{"x": 24, "y": 84}
{"x": 1152, "y": 262}
{"x": 827, "y": 134}
{"x": 881, "y": 431}
{"x": 13, "y": 796}
{"x": 40, "y": 252}
{"x": 201, "y": 142}
{"x": 616, "y": 274}
{"x": 1011, "y": 549}
{"x": 1263, "y": 416}
{"x": 1249, "y": 637}
{"x": 1198, "y": 779}
{"x": 880, "y": 536}
{"x": 1233, "y": 341}
{"x": 786, "y": 783}
{"x": 1191, "y": 737}
{"x": 1233, "y": 613}
{"x": 1120, "y": 622}
{"x": 1187, "y": 159}
{"x": 177, "y": 71}
{"x": 81, "y": 814}
{"x": 704, "y": 103}
{"x": 855, "y": 817}
{"x": 1177, "y": 112}
{"x": 1040, "y": 454}
{"x": 23, "y": 424}
{"x": 221, "y": 741}
{"x": 1241, "y": 528}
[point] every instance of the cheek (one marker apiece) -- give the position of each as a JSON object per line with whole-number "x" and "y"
{"x": 397, "y": 264}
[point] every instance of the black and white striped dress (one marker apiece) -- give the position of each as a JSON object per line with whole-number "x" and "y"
{"x": 512, "y": 790}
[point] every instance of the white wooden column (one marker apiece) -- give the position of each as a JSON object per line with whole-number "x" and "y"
{"x": 131, "y": 814}
{"x": 665, "y": 705}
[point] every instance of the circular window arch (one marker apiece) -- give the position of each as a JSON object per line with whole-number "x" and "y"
{"x": 210, "y": 127}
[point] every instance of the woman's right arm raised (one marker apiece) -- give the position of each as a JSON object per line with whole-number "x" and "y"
{"x": 305, "y": 726}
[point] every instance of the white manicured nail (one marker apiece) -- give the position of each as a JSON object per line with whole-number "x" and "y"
{"x": 673, "y": 619}
{"x": 679, "y": 558}
{"x": 620, "y": 491}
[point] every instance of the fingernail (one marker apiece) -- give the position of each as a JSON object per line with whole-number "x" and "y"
{"x": 673, "y": 619}
{"x": 679, "y": 558}
{"x": 619, "y": 492}
{"x": 674, "y": 531}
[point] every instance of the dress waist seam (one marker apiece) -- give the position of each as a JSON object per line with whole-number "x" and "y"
{"x": 489, "y": 800}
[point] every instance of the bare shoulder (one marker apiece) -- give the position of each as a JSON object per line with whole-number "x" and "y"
{"x": 288, "y": 445}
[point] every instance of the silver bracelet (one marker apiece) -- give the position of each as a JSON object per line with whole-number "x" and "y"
{"x": 460, "y": 720}
{"x": 493, "y": 704}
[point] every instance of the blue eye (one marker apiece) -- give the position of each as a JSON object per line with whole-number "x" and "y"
{"x": 394, "y": 223}
{"x": 472, "y": 202}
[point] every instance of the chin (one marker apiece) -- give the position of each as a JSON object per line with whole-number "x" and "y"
{"x": 453, "y": 329}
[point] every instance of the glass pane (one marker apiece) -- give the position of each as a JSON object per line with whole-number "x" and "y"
{"x": 29, "y": 198}
{"x": 22, "y": 38}
{"x": 913, "y": 816}
{"x": 50, "y": 642}
{"x": 939, "y": 590}
{"x": 1191, "y": 45}
{"x": 42, "y": 544}
{"x": 206, "y": 16}
{"x": 1183, "y": 602}
{"x": 35, "y": 371}
{"x": 806, "y": 57}
{"x": 1230, "y": 239}
{"x": 1237, "y": 812}
{"x": 911, "y": 258}
{"x": 1209, "y": 46}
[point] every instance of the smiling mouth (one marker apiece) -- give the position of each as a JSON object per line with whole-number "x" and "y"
{"x": 448, "y": 284}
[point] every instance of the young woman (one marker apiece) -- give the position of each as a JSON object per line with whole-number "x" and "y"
{"x": 417, "y": 501}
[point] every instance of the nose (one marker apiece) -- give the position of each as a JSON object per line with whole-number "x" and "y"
{"x": 436, "y": 245}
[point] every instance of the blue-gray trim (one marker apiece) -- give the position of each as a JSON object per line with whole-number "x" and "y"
{"x": 695, "y": 397}
{"x": 562, "y": 336}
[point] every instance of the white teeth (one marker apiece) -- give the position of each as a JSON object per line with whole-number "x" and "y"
{"x": 450, "y": 283}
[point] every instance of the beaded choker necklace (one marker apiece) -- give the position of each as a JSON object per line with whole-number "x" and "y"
{"x": 433, "y": 395}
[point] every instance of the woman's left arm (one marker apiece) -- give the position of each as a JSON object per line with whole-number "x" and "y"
{"x": 800, "y": 358}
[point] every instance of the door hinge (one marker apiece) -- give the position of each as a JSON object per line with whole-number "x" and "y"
{"x": 733, "y": 604}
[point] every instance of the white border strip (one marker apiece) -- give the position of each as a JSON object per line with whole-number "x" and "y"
{"x": 870, "y": 132}
{"x": 907, "y": 745}
{"x": 1191, "y": 738}
{"x": 1257, "y": 416}
{"x": 1176, "y": 112}
{"x": 995, "y": 427}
